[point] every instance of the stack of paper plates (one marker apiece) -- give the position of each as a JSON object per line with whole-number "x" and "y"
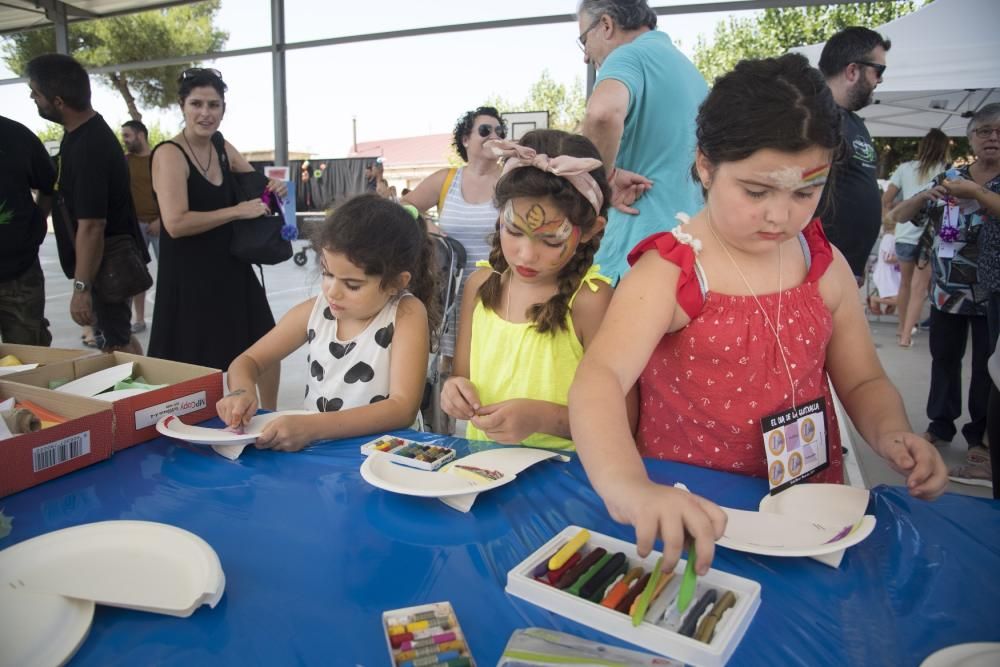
{"x": 49, "y": 584}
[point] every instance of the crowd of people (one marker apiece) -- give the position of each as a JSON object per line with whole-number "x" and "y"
{"x": 669, "y": 283}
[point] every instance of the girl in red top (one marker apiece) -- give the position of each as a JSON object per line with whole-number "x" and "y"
{"x": 731, "y": 323}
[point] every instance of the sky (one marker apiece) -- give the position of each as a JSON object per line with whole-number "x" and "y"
{"x": 394, "y": 88}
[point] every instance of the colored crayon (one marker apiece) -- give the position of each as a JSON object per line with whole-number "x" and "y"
{"x": 403, "y": 620}
{"x": 633, "y": 593}
{"x": 588, "y": 575}
{"x": 568, "y": 549}
{"x": 410, "y": 644}
{"x": 602, "y": 590}
{"x": 574, "y": 573}
{"x": 601, "y": 577}
{"x": 398, "y": 639}
{"x": 690, "y": 623}
{"x": 402, "y": 656}
{"x": 620, "y": 589}
{"x": 431, "y": 659}
{"x": 543, "y": 567}
{"x": 438, "y": 622}
{"x": 554, "y": 575}
{"x": 638, "y": 609}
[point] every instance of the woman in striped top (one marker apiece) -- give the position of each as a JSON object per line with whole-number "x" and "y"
{"x": 464, "y": 196}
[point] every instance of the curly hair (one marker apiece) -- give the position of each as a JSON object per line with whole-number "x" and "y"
{"x": 531, "y": 182}
{"x": 384, "y": 239}
{"x": 463, "y": 127}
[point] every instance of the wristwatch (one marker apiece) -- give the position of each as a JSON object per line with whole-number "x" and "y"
{"x": 80, "y": 286}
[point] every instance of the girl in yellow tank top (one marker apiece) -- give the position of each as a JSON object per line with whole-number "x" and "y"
{"x": 526, "y": 317}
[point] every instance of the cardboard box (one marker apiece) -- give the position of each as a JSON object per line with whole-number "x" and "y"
{"x": 36, "y": 354}
{"x": 193, "y": 392}
{"x": 33, "y": 458}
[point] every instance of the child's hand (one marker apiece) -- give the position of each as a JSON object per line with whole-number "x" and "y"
{"x": 508, "y": 422}
{"x": 918, "y": 461}
{"x": 673, "y": 515}
{"x": 237, "y": 408}
{"x": 287, "y": 434}
{"x": 459, "y": 398}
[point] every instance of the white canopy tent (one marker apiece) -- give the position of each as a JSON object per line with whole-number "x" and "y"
{"x": 943, "y": 65}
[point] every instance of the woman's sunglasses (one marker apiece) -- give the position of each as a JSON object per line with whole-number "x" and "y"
{"x": 485, "y": 129}
{"x": 196, "y": 71}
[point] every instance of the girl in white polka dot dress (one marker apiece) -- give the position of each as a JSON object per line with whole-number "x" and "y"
{"x": 367, "y": 331}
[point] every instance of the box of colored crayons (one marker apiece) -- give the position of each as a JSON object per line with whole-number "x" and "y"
{"x": 428, "y": 634}
{"x": 410, "y": 453}
{"x": 602, "y": 582}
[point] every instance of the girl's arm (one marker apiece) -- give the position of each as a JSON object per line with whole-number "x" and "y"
{"x": 869, "y": 397}
{"x": 170, "y": 174}
{"x": 909, "y": 208}
{"x": 240, "y": 404}
{"x": 643, "y": 309}
{"x": 459, "y": 398}
{"x": 889, "y": 196}
{"x": 407, "y": 373}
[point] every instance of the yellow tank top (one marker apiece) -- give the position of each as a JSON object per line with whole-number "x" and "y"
{"x": 509, "y": 360}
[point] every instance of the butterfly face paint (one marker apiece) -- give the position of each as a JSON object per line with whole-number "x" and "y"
{"x": 544, "y": 224}
{"x": 794, "y": 178}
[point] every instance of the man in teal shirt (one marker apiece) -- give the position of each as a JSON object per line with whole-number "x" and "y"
{"x": 641, "y": 117}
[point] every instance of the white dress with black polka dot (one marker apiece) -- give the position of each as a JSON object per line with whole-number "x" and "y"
{"x": 346, "y": 374}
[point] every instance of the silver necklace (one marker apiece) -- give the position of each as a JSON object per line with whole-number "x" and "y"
{"x": 204, "y": 170}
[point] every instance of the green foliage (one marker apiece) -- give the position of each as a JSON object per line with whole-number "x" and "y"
{"x": 130, "y": 38}
{"x": 51, "y": 132}
{"x": 565, "y": 104}
{"x": 774, "y": 31}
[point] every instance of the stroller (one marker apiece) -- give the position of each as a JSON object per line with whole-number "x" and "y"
{"x": 450, "y": 255}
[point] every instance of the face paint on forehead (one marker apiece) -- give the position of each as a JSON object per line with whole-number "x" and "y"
{"x": 795, "y": 178}
{"x": 538, "y": 222}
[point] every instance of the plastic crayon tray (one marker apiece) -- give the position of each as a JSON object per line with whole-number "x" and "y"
{"x": 659, "y": 631}
{"x": 425, "y": 456}
{"x": 427, "y": 634}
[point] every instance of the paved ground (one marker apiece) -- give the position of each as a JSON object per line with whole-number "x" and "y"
{"x": 288, "y": 285}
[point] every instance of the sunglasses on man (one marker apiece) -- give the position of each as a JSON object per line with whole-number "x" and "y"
{"x": 485, "y": 129}
{"x": 878, "y": 67}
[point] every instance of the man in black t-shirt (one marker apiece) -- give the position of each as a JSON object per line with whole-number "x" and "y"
{"x": 24, "y": 166}
{"x": 94, "y": 200}
{"x": 853, "y": 62}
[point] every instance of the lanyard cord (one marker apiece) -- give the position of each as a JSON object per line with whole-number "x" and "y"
{"x": 767, "y": 319}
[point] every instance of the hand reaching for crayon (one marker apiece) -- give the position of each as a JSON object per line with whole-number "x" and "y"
{"x": 673, "y": 515}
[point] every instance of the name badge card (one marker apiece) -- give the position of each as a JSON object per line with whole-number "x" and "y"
{"x": 795, "y": 444}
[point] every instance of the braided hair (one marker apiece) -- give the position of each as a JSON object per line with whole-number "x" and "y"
{"x": 535, "y": 183}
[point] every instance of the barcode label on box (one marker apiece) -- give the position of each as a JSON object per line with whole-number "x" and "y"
{"x": 60, "y": 451}
{"x": 178, "y": 406}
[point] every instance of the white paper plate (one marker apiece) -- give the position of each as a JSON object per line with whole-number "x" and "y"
{"x": 826, "y": 503}
{"x": 132, "y": 564}
{"x": 95, "y": 383}
{"x": 7, "y": 370}
{"x": 977, "y": 654}
{"x": 380, "y": 471}
{"x": 41, "y": 629}
{"x": 173, "y": 427}
{"x": 776, "y": 535}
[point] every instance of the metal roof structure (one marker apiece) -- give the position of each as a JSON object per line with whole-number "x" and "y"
{"x": 20, "y": 15}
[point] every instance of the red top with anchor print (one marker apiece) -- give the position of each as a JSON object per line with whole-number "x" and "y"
{"x": 705, "y": 387}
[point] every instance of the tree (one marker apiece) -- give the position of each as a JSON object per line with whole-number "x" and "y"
{"x": 130, "y": 38}
{"x": 565, "y": 104}
{"x": 774, "y": 31}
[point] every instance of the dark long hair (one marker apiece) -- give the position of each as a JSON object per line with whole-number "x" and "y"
{"x": 778, "y": 103}
{"x": 531, "y": 182}
{"x": 384, "y": 239}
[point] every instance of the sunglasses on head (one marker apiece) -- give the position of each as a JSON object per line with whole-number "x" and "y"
{"x": 485, "y": 129}
{"x": 196, "y": 71}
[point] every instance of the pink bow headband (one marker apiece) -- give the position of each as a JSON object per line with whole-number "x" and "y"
{"x": 576, "y": 170}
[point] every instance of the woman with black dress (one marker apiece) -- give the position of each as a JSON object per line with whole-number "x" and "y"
{"x": 210, "y": 307}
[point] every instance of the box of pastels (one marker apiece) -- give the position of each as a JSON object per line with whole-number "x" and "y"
{"x": 604, "y": 584}
{"x": 422, "y": 455}
{"x": 427, "y": 634}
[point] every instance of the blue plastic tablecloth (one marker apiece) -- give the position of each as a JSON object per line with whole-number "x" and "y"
{"x": 313, "y": 555}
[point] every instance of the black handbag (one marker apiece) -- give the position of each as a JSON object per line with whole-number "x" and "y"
{"x": 258, "y": 240}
